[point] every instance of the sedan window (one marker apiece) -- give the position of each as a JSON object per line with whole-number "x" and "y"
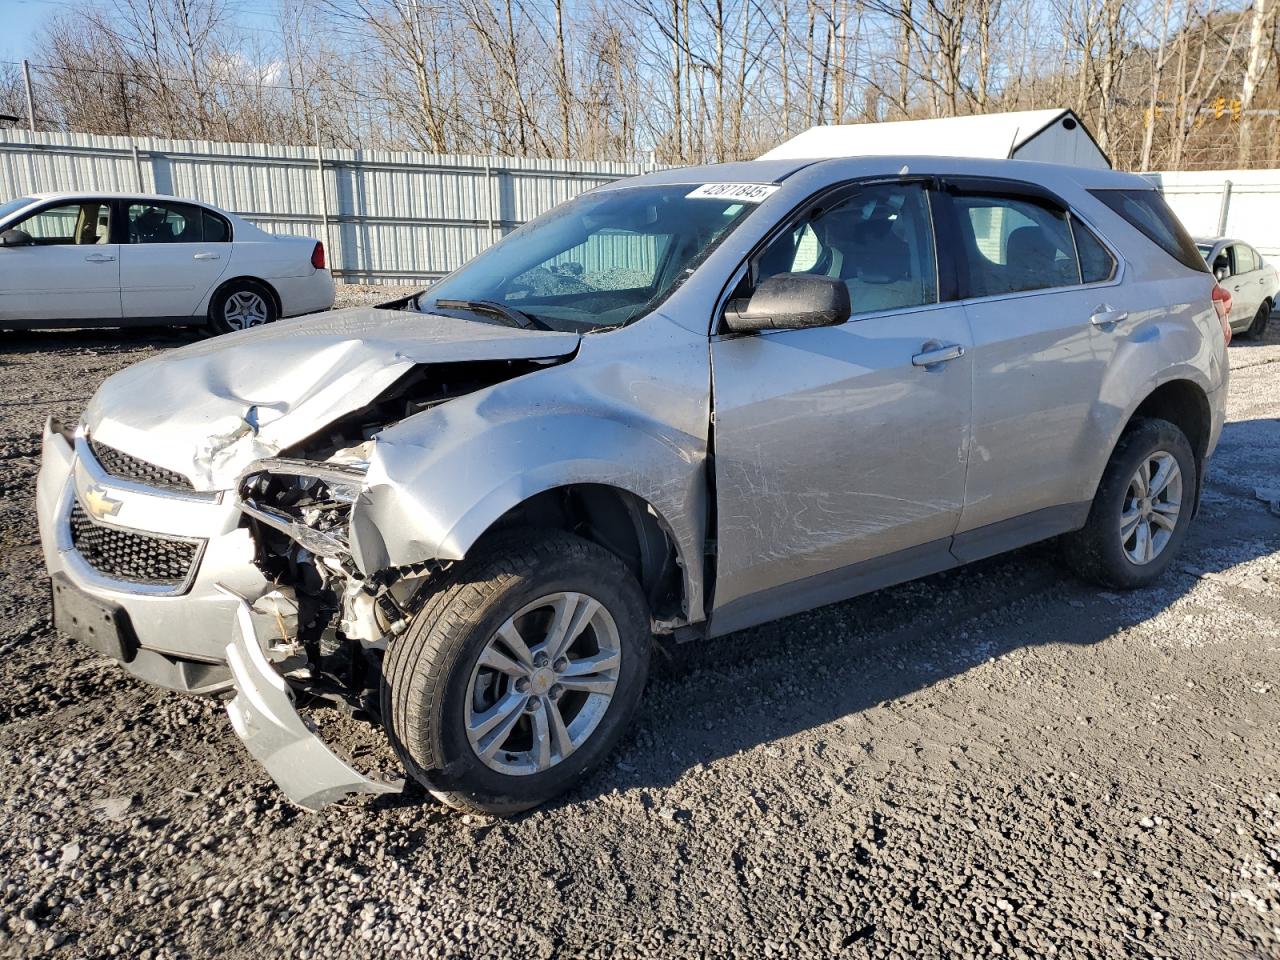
{"x": 164, "y": 223}
{"x": 13, "y": 206}
{"x": 1244, "y": 259}
{"x": 70, "y": 223}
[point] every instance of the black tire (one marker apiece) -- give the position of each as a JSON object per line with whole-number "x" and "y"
{"x": 1095, "y": 552}
{"x": 427, "y": 672}
{"x": 1259, "y": 326}
{"x": 218, "y": 306}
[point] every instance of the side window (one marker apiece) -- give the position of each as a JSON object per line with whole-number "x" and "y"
{"x": 216, "y": 230}
{"x": 150, "y": 222}
{"x": 1244, "y": 259}
{"x": 70, "y": 223}
{"x": 1096, "y": 262}
{"x": 879, "y": 241}
{"x": 1014, "y": 244}
{"x": 1222, "y": 263}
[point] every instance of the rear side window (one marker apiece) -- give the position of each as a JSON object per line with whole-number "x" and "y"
{"x": 1147, "y": 212}
{"x": 1014, "y": 244}
{"x": 153, "y": 222}
{"x": 1096, "y": 262}
{"x": 1244, "y": 259}
{"x": 216, "y": 230}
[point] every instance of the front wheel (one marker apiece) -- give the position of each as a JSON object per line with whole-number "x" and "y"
{"x": 1141, "y": 511}
{"x": 520, "y": 674}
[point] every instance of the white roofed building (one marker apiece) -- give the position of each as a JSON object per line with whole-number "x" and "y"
{"x": 1053, "y": 136}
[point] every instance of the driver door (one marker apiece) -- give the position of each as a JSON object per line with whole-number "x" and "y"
{"x": 70, "y": 271}
{"x": 840, "y": 452}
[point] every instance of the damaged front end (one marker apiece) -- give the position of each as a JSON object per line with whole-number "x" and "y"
{"x": 299, "y": 514}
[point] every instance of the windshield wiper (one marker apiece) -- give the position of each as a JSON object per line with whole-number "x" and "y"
{"x": 517, "y": 318}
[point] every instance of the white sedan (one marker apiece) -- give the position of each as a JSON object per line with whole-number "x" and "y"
{"x": 104, "y": 259}
{"x": 1252, "y": 282}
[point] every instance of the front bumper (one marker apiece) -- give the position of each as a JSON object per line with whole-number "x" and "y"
{"x": 181, "y": 629}
{"x": 263, "y": 716}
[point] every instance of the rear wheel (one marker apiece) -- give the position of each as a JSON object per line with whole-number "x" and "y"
{"x": 1260, "y": 321}
{"x": 520, "y": 674}
{"x": 240, "y": 305}
{"x": 1141, "y": 511}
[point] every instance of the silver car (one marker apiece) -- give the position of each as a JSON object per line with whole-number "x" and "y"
{"x": 678, "y": 405}
{"x": 1252, "y": 282}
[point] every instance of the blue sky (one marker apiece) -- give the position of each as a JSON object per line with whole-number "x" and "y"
{"x": 20, "y": 20}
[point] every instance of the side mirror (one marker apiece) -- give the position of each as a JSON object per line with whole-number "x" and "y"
{"x": 15, "y": 238}
{"x": 791, "y": 301}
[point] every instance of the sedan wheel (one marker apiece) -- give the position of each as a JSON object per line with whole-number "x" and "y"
{"x": 1151, "y": 507}
{"x": 244, "y": 309}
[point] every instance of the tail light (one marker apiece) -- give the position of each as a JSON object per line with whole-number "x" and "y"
{"x": 1222, "y": 304}
{"x": 317, "y": 258}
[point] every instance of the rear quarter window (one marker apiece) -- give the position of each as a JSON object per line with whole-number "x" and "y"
{"x": 1147, "y": 212}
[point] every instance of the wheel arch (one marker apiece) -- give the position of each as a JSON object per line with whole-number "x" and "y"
{"x": 244, "y": 278}
{"x": 617, "y": 520}
{"x": 1185, "y": 404}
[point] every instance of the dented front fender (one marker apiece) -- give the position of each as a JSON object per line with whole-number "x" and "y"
{"x": 630, "y": 411}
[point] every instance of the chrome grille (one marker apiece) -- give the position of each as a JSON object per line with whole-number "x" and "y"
{"x": 127, "y": 555}
{"x": 127, "y": 467}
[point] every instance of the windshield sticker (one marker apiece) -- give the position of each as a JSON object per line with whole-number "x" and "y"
{"x": 746, "y": 192}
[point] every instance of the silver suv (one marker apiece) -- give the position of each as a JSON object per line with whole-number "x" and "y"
{"x": 681, "y": 405}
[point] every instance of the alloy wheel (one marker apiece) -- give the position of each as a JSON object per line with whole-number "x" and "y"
{"x": 543, "y": 683}
{"x": 245, "y": 309}
{"x": 1152, "y": 504}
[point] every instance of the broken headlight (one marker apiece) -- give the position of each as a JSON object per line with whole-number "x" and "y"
{"x": 307, "y": 501}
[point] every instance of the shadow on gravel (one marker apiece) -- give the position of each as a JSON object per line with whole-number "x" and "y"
{"x": 708, "y": 700}
{"x": 96, "y": 340}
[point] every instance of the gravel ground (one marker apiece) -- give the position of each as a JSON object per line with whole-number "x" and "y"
{"x": 993, "y": 761}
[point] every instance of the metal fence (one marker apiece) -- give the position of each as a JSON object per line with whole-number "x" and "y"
{"x": 1242, "y": 204}
{"x": 415, "y": 216}
{"x": 383, "y": 216}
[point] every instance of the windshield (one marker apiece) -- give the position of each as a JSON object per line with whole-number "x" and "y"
{"x": 1205, "y": 249}
{"x": 600, "y": 261}
{"x": 11, "y": 206}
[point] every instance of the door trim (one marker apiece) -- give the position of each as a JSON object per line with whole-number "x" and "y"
{"x": 832, "y": 586}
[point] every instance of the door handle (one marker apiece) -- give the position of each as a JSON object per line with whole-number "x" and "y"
{"x": 1105, "y": 315}
{"x": 933, "y": 354}
{"x": 99, "y": 258}
{"x": 205, "y": 256}
{"x": 1236, "y": 288}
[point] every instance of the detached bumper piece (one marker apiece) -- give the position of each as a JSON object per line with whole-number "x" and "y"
{"x": 264, "y": 717}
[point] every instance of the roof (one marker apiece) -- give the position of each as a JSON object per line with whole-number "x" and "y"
{"x": 117, "y": 195}
{"x": 836, "y": 169}
{"x": 992, "y": 135}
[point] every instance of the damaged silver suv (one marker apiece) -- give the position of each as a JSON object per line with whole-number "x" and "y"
{"x": 680, "y": 405}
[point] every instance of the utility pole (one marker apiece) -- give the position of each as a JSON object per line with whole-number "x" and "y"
{"x": 31, "y": 102}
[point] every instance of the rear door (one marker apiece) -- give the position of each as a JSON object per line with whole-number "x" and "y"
{"x": 840, "y": 452}
{"x": 70, "y": 272}
{"x": 1046, "y": 310}
{"x": 172, "y": 256}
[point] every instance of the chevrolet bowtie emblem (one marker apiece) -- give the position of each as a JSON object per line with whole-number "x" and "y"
{"x": 99, "y": 504}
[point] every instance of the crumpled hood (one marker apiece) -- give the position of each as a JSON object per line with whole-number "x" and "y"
{"x": 210, "y": 409}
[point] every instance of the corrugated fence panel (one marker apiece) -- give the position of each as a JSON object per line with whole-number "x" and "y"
{"x": 390, "y": 215}
{"x": 1241, "y": 204}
